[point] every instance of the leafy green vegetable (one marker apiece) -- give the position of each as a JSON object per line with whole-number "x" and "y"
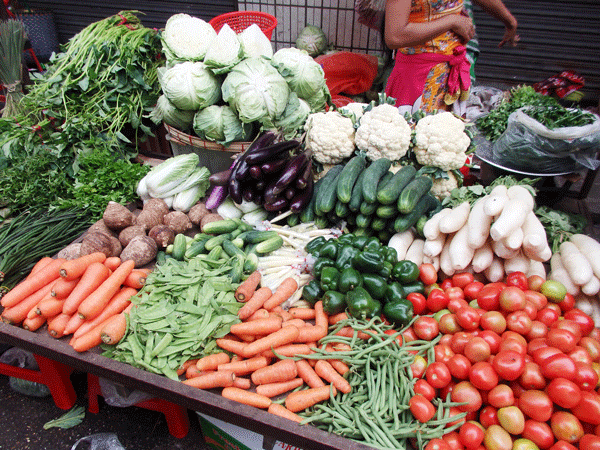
{"x": 69, "y": 419}
{"x": 559, "y": 225}
{"x": 312, "y": 39}
{"x": 476, "y": 191}
{"x": 558, "y": 116}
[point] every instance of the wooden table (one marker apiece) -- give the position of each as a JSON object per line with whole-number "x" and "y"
{"x": 208, "y": 402}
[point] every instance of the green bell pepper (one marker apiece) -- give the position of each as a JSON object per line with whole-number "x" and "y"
{"x": 415, "y": 286}
{"x": 361, "y": 305}
{"x": 349, "y": 279}
{"x": 312, "y": 292}
{"x": 345, "y": 238}
{"x": 334, "y": 302}
{"x": 329, "y": 249}
{"x": 386, "y": 269}
{"x": 360, "y": 241}
{"x": 315, "y": 244}
{"x": 321, "y": 263}
{"x": 330, "y": 277}
{"x": 373, "y": 243}
{"x": 390, "y": 254}
{"x": 368, "y": 261}
{"x": 399, "y": 312}
{"x": 345, "y": 255}
{"x": 375, "y": 285}
{"x": 405, "y": 271}
{"x": 394, "y": 291}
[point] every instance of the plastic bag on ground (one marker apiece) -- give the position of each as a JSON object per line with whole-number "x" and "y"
{"x": 25, "y": 360}
{"x": 348, "y": 73}
{"x": 100, "y": 441}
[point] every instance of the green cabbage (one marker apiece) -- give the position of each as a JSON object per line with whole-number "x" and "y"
{"x": 190, "y": 86}
{"x": 312, "y": 39}
{"x": 164, "y": 111}
{"x": 291, "y": 123}
{"x": 224, "y": 52}
{"x": 186, "y": 38}
{"x": 255, "y": 43}
{"x": 220, "y": 124}
{"x": 255, "y": 90}
{"x": 304, "y": 75}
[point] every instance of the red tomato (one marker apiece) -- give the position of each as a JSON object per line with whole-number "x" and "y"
{"x": 493, "y": 320}
{"x": 586, "y": 323}
{"x": 562, "y": 338}
{"x": 538, "y": 330}
{"x": 563, "y": 445}
{"x": 427, "y": 273}
{"x": 569, "y": 325}
{"x": 446, "y": 339}
{"x": 426, "y": 328}
{"x": 437, "y": 444}
{"x": 488, "y": 416}
{"x": 448, "y": 324}
{"x": 493, "y": 339}
{"x": 459, "y": 340}
{"x": 459, "y": 366}
{"x": 488, "y": 297}
{"x": 588, "y": 408}
{"x": 437, "y": 300}
{"x": 472, "y": 289}
{"x": 536, "y": 343}
{"x": 409, "y": 334}
{"x": 477, "y": 349}
{"x": 418, "y": 367}
{"x": 547, "y": 315}
{"x": 541, "y": 354}
{"x": 585, "y": 376}
{"x": 532, "y": 377}
{"x": 446, "y": 284}
{"x": 437, "y": 374}
{"x": 511, "y": 299}
{"x": 564, "y": 393}
{"x": 455, "y": 293}
{"x": 530, "y": 309}
{"x": 425, "y": 389}
{"x": 497, "y": 438}
{"x": 539, "y": 433}
{"x": 514, "y": 345}
{"x": 442, "y": 353}
{"x": 534, "y": 282}
{"x": 454, "y": 304}
{"x": 468, "y": 318}
{"x": 508, "y": 364}
{"x": 511, "y": 419}
{"x": 483, "y": 376}
{"x": 517, "y": 279}
{"x": 592, "y": 346}
{"x": 568, "y": 303}
{"x": 501, "y": 396}
{"x": 589, "y": 442}
{"x": 465, "y": 392}
{"x": 519, "y": 322}
{"x": 580, "y": 354}
{"x": 509, "y": 334}
{"x": 537, "y": 298}
{"x": 462, "y": 279}
{"x": 566, "y": 427}
{"x": 447, "y": 390}
{"x": 421, "y": 408}
{"x": 536, "y": 405}
{"x": 453, "y": 441}
{"x": 471, "y": 435}
{"x": 418, "y": 301}
{"x": 559, "y": 365}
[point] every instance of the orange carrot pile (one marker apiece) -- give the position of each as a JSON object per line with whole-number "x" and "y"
{"x": 82, "y": 298}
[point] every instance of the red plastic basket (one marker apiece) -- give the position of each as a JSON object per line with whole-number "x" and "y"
{"x": 240, "y": 20}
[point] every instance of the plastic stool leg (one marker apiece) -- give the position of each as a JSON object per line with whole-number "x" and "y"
{"x": 177, "y": 417}
{"x": 93, "y": 393}
{"x": 57, "y": 377}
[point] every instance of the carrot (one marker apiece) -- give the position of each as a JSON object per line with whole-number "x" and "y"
{"x": 112, "y": 262}
{"x": 211, "y": 362}
{"x": 327, "y": 372}
{"x": 246, "y": 397}
{"x": 275, "y": 389}
{"x": 245, "y": 366}
{"x": 34, "y": 323}
{"x": 308, "y": 374}
{"x": 282, "y": 370}
{"x": 260, "y": 313}
{"x": 246, "y": 289}
{"x": 74, "y": 268}
{"x": 255, "y": 302}
{"x": 302, "y": 313}
{"x": 337, "y": 318}
{"x": 349, "y": 332}
{"x": 136, "y": 279}
{"x": 284, "y": 291}
{"x": 231, "y": 345}
{"x": 63, "y": 287}
{"x": 280, "y": 337}
{"x": 95, "y": 274}
{"x": 300, "y": 400}
{"x": 310, "y": 333}
{"x": 97, "y": 300}
{"x": 56, "y": 325}
{"x": 89, "y": 339}
{"x": 339, "y": 347}
{"x": 211, "y": 380}
{"x": 19, "y": 311}
{"x": 278, "y": 311}
{"x": 28, "y": 286}
{"x": 298, "y": 323}
{"x": 321, "y": 318}
{"x": 118, "y": 303}
{"x": 282, "y": 411}
{"x": 256, "y": 327}
{"x": 38, "y": 265}
{"x": 114, "y": 329}
{"x": 289, "y": 350}
{"x": 192, "y": 371}
{"x": 242, "y": 383}
{"x": 50, "y": 306}
{"x": 190, "y": 362}
{"x": 340, "y": 366}
{"x": 73, "y": 324}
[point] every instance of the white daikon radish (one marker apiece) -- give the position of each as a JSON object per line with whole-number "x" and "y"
{"x": 590, "y": 247}
{"x": 401, "y": 241}
{"x": 512, "y": 217}
{"x": 536, "y": 268}
{"x": 519, "y": 263}
{"x": 435, "y": 261}
{"x": 514, "y": 240}
{"x": 455, "y": 219}
{"x": 559, "y": 273}
{"x": 592, "y": 287}
{"x": 495, "y": 271}
{"x": 415, "y": 252}
{"x": 482, "y": 258}
{"x": 575, "y": 263}
{"x": 495, "y": 200}
{"x": 535, "y": 240}
{"x": 460, "y": 252}
{"x": 502, "y": 251}
{"x": 433, "y": 247}
{"x": 431, "y": 229}
{"x": 479, "y": 224}
{"x": 445, "y": 260}
{"x": 520, "y": 191}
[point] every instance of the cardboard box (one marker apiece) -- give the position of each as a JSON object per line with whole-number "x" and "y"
{"x": 225, "y": 436}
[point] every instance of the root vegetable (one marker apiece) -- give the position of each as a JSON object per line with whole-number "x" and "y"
{"x": 212, "y": 217}
{"x": 478, "y": 224}
{"x": 116, "y": 246}
{"x": 102, "y": 228}
{"x": 97, "y": 242}
{"x": 455, "y": 219}
{"x": 141, "y": 250}
{"x": 482, "y": 258}
{"x": 158, "y": 205}
{"x": 559, "y": 273}
{"x": 149, "y": 218}
{"x": 127, "y": 234}
{"x": 590, "y": 247}
{"x": 575, "y": 263}
{"x": 495, "y": 271}
{"x": 197, "y": 212}
{"x": 162, "y": 235}
{"x": 520, "y": 263}
{"x": 431, "y": 230}
{"x": 71, "y": 251}
{"x": 116, "y": 216}
{"x": 536, "y": 268}
{"x": 178, "y": 221}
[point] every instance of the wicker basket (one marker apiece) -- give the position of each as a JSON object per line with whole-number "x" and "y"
{"x": 240, "y": 20}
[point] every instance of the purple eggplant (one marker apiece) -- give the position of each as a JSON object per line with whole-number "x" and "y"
{"x": 274, "y": 166}
{"x": 260, "y": 185}
{"x": 302, "y": 180}
{"x": 255, "y": 172}
{"x": 289, "y": 193}
{"x": 272, "y": 151}
{"x": 248, "y": 194}
{"x": 276, "y": 205}
{"x": 303, "y": 198}
{"x": 220, "y": 178}
{"x": 294, "y": 168}
{"x": 269, "y": 195}
{"x": 217, "y": 195}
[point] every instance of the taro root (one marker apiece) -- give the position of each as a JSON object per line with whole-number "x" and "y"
{"x": 102, "y": 228}
{"x": 141, "y": 249}
{"x": 212, "y": 217}
{"x": 178, "y": 221}
{"x": 71, "y": 251}
{"x": 116, "y": 246}
{"x": 158, "y": 205}
{"x": 116, "y": 216}
{"x": 127, "y": 234}
{"x": 197, "y": 212}
{"x": 162, "y": 235}
{"x": 96, "y": 241}
{"x": 149, "y": 218}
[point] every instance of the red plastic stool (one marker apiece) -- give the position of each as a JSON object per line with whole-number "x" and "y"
{"x": 177, "y": 417}
{"x": 53, "y": 374}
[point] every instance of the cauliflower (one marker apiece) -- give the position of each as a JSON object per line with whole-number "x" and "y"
{"x": 441, "y": 141}
{"x": 330, "y": 137}
{"x": 383, "y": 133}
{"x": 442, "y": 187}
{"x": 354, "y": 109}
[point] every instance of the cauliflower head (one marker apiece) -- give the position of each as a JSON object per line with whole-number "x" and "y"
{"x": 383, "y": 133}
{"x": 442, "y": 187}
{"x": 354, "y": 109}
{"x": 441, "y": 141}
{"x": 330, "y": 137}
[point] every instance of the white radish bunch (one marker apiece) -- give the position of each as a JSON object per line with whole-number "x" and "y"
{"x": 409, "y": 247}
{"x": 497, "y": 235}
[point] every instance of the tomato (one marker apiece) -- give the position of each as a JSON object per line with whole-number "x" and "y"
{"x": 459, "y": 366}
{"x": 455, "y": 293}
{"x": 563, "y": 445}
{"x": 493, "y": 320}
{"x": 425, "y": 389}
{"x": 519, "y": 322}
{"x": 517, "y": 279}
{"x": 501, "y": 396}
{"x": 437, "y": 444}
{"x": 536, "y": 405}
{"x": 418, "y": 367}
{"x": 488, "y": 297}
{"x": 595, "y": 333}
{"x": 509, "y": 334}
{"x": 568, "y": 303}
{"x": 547, "y": 316}
{"x": 589, "y": 442}
{"x": 497, "y": 438}
{"x": 538, "y": 330}
{"x": 493, "y": 339}
{"x": 483, "y": 376}
{"x": 511, "y": 419}
{"x": 524, "y": 444}
{"x": 446, "y": 339}
{"x": 442, "y": 353}
{"x": 566, "y": 427}
{"x": 588, "y": 408}
{"x": 488, "y": 416}
{"x": 586, "y": 323}
{"x": 554, "y": 291}
{"x": 511, "y": 299}
{"x": 418, "y": 301}
{"x": 514, "y": 345}
{"x": 534, "y": 282}
{"x": 585, "y": 376}
{"x": 562, "y": 338}
{"x": 532, "y": 377}
{"x": 472, "y": 289}
{"x": 541, "y": 354}
{"x": 462, "y": 279}
{"x": 437, "y": 374}
{"x": 559, "y": 365}
{"x": 409, "y": 334}
{"x": 477, "y": 349}
{"x": 453, "y": 441}
{"x": 539, "y": 433}
{"x": 454, "y": 304}
{"x": 437, "y": 300}
{"x": 580, "y": 354}
{"x": 538, "y": 299}
{"x": 592, "y": 346}
{"x": 453, "y": 411}
{"x": 465, "y": 392}
{"x": 530, "y": 309}
{"x": 565, "y": 393}
{"x": 446, "y": 284}
{"x": 508, "y": 364}
{"x": 426, "y": 328}
{"x": 448, "y": 324}
{"x": 421, "y": 408}
{"x": 468, "y": 318}
{"x": 427, "y": 273}
{"x": 536, "y": 343}
{"x": 459, "y": 340}
{"x": 471, "y": 435}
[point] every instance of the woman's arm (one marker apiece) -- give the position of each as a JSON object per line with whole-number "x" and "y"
{"x": 399, "y": 32}
{"x": 498, "y": 10}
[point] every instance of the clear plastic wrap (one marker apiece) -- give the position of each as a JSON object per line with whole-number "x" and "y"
{"x": 99, "y": 441}
{"x": 25, "y": 360}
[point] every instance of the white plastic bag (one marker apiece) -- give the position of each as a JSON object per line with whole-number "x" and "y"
{"x": 99, "y": 441}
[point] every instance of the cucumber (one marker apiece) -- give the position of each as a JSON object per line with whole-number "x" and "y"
{"x": 368, "y": 209}
{"x": 357, "y": 197}
{"x": 196, "y": 248}
{"x": 404, "y": 221}
{"x": 341, "y": 209}
{"x": 256, "y": 236}
{"x": 293, "y": 220}
{"x": 308, "y": 213}
{"x": 216, "y": 241}
{"x": 363, "y": 221}
{"x": 221, "y": 226}
{"x": 250, "y": 263}
{"x": 321, "y": 222}
{"x": 413, "y": 192}
{"x": 420, "y": 225}
{"x": 327, "y": 194}
{"x": 230, "y": 248}
{"x": 390, "y": 191}
{"x": 215, "y": 254}
{"x": 386, "y": 211}
{"x": 270, "y": 245}
{"x": 348, "y": 177}
{"x": 374, "y": 174}
{"x": 378, "y": 224}
{"x": 179, "y": 246}
{"x": 363, "y": 232}
{"x": 237, "y": 269}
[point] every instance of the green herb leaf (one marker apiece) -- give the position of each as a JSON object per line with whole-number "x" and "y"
{"x": 70, "y": 419}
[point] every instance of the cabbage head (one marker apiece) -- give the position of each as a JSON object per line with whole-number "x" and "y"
{"x": 255, "y": 43}
{"x": 291, "y": 123}
{"x": 312, "y": 39}
{"x": 220, "y": 124}
{"x": 187, "y": 38}
{"x": 224, "y": 52}
{"x": 304, "y": 75}
{"x": 190, "y": 86}
{"x": 255, "y": 90}
{"x": 164, "y": 111}
{"x": 320, "y": 100}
